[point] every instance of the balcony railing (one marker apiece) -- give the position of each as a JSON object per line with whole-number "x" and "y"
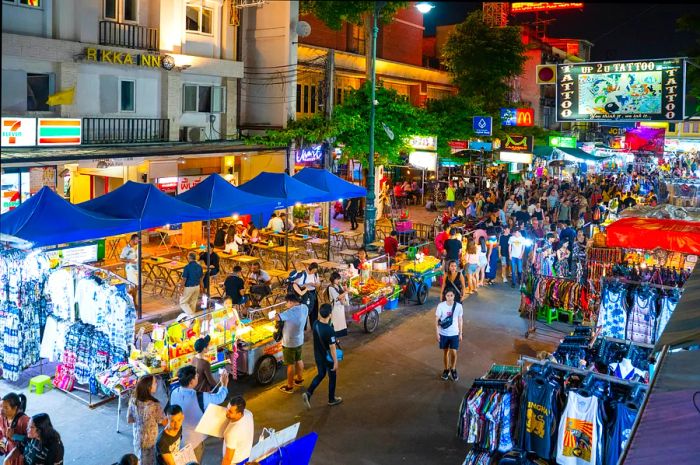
{"x": 125, "y": 130}
{"x": 128, "y": 35}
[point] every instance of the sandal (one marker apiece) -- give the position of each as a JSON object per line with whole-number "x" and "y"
{"x": 299, "y": 382}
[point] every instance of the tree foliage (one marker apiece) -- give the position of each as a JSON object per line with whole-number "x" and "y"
{"x": 482, "y": 59}
{"x": 334, "y": 12}
{"x": 302, "y": 131}
{"x": 450, "y": 119}
{"x": 691, "y": 23}
{"x": 395, "y": 111}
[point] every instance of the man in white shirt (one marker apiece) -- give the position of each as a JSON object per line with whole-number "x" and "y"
{"x": 276, "y": 224}
{"x": 516, "y": 248}
{"x": 238, "y": 437}
{"x": 449, "y": 334}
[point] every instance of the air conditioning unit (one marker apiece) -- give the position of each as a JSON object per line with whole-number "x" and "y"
{"x": 192, "y": 134}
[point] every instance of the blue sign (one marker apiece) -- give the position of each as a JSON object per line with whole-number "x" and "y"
{"x": 482, "y": 125}
{"x": 476, "y": 145}
{"x": 509, "y": 116}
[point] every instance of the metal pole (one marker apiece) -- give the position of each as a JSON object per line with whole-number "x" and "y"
{"x": 370, "y": 209}
{"x": 140, "y": 296}
{"x": 286, "y": 244}
{"x": 208, "y": 260}
{"x": 329, "y": 232}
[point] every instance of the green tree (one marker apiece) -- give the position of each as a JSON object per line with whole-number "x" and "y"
{"x": 334, "y": 12}
{"x": 691, "y": 23}
{"x": 302, "y": 131}
{"x": 449, "y": 119}
{"x": 393, "y": 110}
{"x": 482, "y": 59}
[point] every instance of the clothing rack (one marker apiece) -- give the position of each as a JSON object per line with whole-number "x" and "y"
{"x": 101, "y": 270}
{"x": 524, "y": 358}
{"x": 642, "y": 283}
{"x": 624, "y": 341}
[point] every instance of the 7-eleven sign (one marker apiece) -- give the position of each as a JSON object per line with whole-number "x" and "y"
{"x": 18, "y": 132}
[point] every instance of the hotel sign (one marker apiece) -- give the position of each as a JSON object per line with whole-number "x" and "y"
{"x": 144, "y": 60}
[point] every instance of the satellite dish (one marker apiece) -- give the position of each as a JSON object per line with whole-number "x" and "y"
{"x": 389, "y": 132}
{"x": 303, "y": 29}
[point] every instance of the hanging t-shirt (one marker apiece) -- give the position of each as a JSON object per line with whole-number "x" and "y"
{"x": 540, "y": 412}
{"x": 579, "y": 431}
{"x": 620, "y": 429}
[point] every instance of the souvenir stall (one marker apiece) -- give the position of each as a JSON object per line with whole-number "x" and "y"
{"x": 680, "y": 192}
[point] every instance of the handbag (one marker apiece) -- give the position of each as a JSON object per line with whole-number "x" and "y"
{"x": 338, "y": 352}
{"x": 447, "y": 322}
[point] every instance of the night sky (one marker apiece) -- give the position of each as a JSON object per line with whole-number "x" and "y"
{"x": 618, "y": 31}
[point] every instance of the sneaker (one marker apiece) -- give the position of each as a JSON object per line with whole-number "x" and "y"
{"x": 307, "y": 400}
{"x": 286, "y": 389}
{"x": 337, "y": 401}
{"x": 455, "y": 376}
{"x": 505, "y": 280}
{"x": 445, "y": 375}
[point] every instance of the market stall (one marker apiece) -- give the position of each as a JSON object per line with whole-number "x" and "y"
{"x": 416, "y": 272}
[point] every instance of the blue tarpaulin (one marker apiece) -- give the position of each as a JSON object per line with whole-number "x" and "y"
{"x": 220, "y": 198}
{"x": 284, "y": 189}
{"x": 326, "y": 181}
{"x": 146, "y": 204}
{"x": 298, "y": 452}
{"x": 48, "y": 219}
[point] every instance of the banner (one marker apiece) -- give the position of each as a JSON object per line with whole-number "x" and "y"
{"x": 516, "y": 143}
{"x": 517, "y": 117}
{"x": 648, "y": 141}
{"x": 651, "y": 90}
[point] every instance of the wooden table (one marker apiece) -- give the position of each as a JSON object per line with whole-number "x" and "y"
{"x": 309, "y": 261}
{"x": 171, "y": 271}
{"x": 351, "y": 236}
{"x": 348, "y": 252}
{"x": 333, "y": 266}
{"x": 225, "y": 260}
{"x": 318, "y": 246}
{"x": 280, "y": 275}
{"x": 165, "y": 233}
{"x": 112, "y": 245}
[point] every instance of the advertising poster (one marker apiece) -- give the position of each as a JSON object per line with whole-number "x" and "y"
{"x": 40, "y": 177}
{"x": 646, "y": 90}
{"x": 643, "y": 140}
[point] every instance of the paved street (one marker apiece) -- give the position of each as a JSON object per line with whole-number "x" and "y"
{"x": 396, "y": 409}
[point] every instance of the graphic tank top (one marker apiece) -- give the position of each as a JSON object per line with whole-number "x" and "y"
{"x": 620, "y": 430}
{"x": 539, "y": 412}
{"x": 579, "y": 431}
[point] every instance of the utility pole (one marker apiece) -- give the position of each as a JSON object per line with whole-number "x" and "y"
{"x": 329, "y": 101}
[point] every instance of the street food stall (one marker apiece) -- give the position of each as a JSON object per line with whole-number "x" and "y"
{"x": 416, "y": 271}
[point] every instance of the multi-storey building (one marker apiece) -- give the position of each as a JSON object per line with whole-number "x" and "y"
{"x": 155, "y": 92}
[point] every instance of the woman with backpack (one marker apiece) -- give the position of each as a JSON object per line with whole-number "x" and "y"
{"x": 304, "y": 285}
{"x": 13, "y": 428}
{"x": 338, "y": 298}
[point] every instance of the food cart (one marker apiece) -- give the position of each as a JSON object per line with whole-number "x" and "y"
{"x": 369, "y": 296}
{"x": 416, "y": 272}
{"x": 256, "y": 352}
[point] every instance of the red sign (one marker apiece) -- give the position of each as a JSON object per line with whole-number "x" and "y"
{"x": 529, "y": 7}
{"x": 458, "y": 144}
{"x": 525, "y": 117}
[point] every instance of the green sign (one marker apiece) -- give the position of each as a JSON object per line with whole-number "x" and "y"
{"x": 562, "y": 141}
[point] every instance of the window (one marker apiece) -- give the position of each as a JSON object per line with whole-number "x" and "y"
{"x": 32, "y": 3}
{"x": 130, "y": 10}
{"x": 39, "y": 87}
{"x": 127, "y": 95}
{"x": 203, "y": 99}
{"x": 198, "y": 19}
{"x": 121, "y": 10}
{"x": 356, "y": 39}
{"x": 298, "y": 98}
{"x": 110, "y": 9}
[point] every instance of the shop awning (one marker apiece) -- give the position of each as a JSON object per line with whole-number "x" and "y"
{"x": 543, "y": 151}
{"x": 284, "y": 189}
{"x": 146, "y": 204}
{"x": 650, "y": 233}
{"x": 221, "y": 198}
{"x": 326, "y": 181}
{"x": 579, "y": 154}
{"x": 48, "y": 219}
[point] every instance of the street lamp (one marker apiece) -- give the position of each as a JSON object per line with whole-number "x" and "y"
{"x": 370, "y": 209}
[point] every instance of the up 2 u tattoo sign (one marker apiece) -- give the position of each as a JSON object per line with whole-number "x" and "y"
{"x": 646, "y": 90}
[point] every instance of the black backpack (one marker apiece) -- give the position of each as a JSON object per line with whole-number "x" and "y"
{"x": 293, "y": 276}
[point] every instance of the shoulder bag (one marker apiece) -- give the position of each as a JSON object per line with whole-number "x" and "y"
{"x": 338, "y": 352}
{"x": 447, "y": 322}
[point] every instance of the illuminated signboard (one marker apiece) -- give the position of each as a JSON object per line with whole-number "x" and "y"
{"x": 481, "y": 125}
{"x": 86, "y": 252}
{"x": 457, "y": 145}
{"x": 310, "y": 155}
{"x": 530, "y": 7}
{"x": 515, "y": 157}
{"x": 517, "y": 117}
{"x": 423, "y": 142}
{"x": 59, "y": 131}
{"x": 145, "y": 60}
{"x": 651, "y": 90}
{"x": 423, "y": 160}
{"x": 18, "y": 132}
{"x": 516, "y": 143}
{"x": 562, "y": 141}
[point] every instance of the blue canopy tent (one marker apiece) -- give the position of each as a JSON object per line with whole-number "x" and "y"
{"x": 221, "y": 198}
{"x": 148, "y": 207}
{"x": 48, "y": 219}
{"x": 285, "y": 191}
{"x": 335, "y": 187}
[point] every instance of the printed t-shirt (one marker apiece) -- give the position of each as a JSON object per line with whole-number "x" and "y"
{"x": 443, "y": 311}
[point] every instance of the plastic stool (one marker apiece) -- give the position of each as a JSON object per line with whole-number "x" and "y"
{"x": 39, "y": 383}
{"x": 569, "y": 315}
{"x": 548, "y": 314}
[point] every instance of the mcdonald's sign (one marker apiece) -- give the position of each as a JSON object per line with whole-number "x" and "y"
{"x": 517, "y": 117}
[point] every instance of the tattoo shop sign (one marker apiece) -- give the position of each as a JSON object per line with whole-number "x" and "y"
{"x": 645, "y": 90}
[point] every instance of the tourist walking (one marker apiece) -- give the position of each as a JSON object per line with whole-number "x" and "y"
{"x": 238, "y": 436}
{"x": 170, "y": 439}
{"x": 326, "y": 357}
{"x": 191, "y": 284}
{"x": 448, "y": 323}
{"x": 294, "y": 319}
{"x": 145, "y": 413}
